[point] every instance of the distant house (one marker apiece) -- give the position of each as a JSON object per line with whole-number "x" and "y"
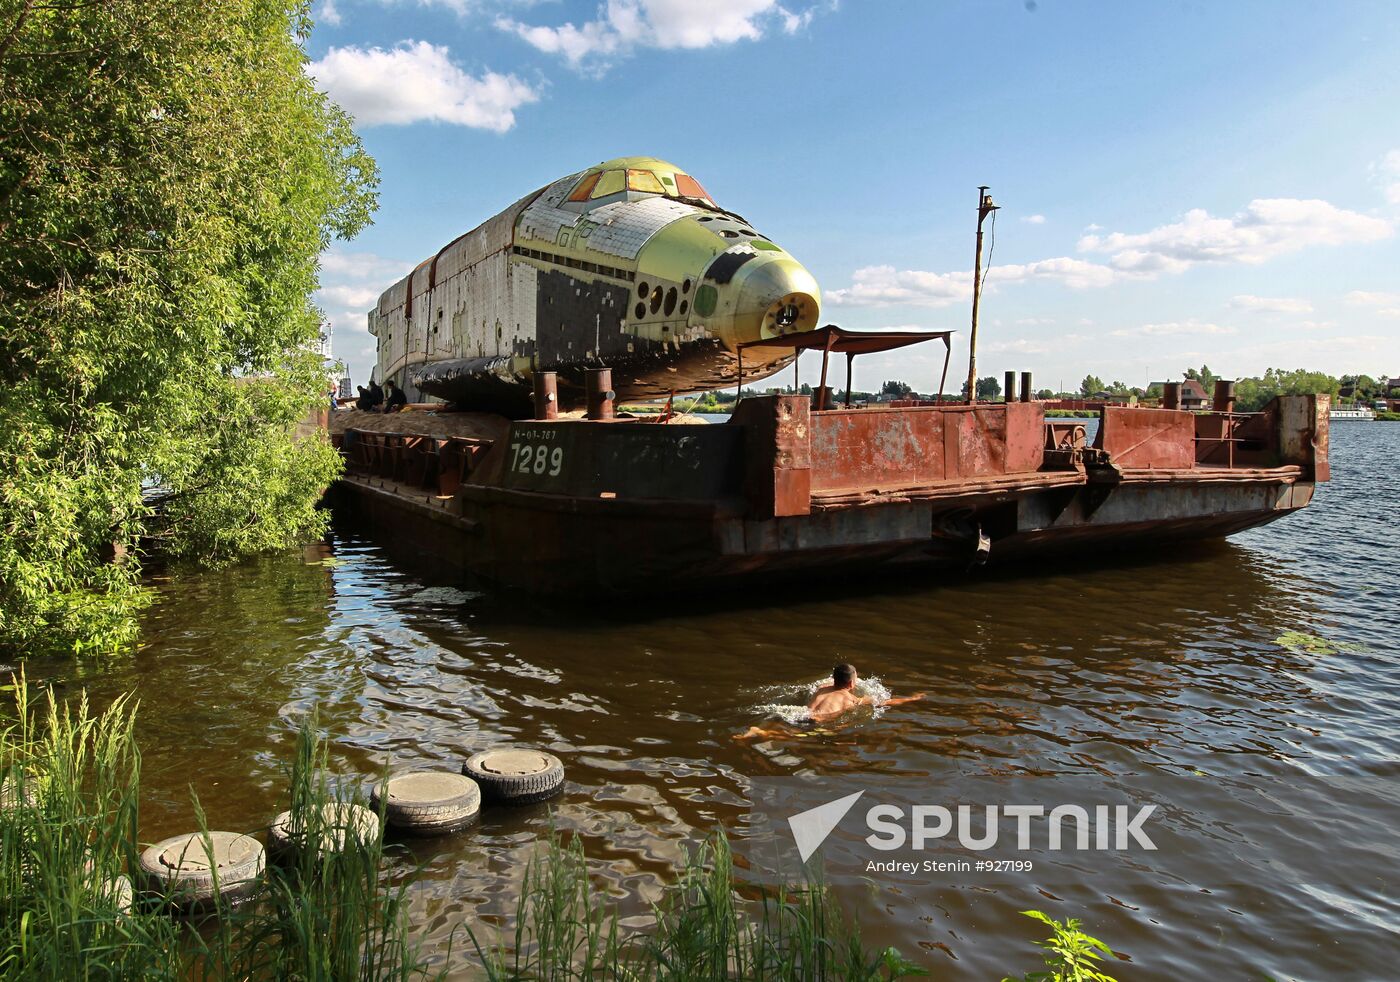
{"x": 1193, "y": 394}
{"x": 1392, "y": 401}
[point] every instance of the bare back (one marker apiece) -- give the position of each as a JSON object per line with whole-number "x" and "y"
{"x": 830, "y": 701}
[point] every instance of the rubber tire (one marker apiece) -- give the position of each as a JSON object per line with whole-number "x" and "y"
{"x": 508, "y": 786}
{"x": 190, "y": 889}
{"x": 440, "y": 815}
{"x": 338, "y": 817}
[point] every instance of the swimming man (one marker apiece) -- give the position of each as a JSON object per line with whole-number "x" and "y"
{"x": 831, "y": 701}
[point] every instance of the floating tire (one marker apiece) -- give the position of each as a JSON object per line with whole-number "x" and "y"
{"x": 428, "y": 802}
{"x": 340, "y": 820}
{"x": 515, "y": 777}
{"x": 180, "y": 869}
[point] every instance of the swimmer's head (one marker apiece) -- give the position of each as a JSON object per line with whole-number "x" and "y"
{"x": 843, "y": 676}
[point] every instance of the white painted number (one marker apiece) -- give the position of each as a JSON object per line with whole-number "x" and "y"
{"x": 536, "y": 459}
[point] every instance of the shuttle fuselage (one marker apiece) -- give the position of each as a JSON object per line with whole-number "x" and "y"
{"x": 628, "y": 265}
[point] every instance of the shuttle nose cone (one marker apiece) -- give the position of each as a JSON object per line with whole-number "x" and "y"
{"x": 773, "y": 297}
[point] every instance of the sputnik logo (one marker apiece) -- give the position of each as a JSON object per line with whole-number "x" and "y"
{"x": 810, "y": 828}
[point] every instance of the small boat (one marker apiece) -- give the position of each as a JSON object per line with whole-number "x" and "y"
{"x": 1351, "y": 412}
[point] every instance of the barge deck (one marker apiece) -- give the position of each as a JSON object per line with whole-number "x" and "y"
{"x": 614, "y": 505}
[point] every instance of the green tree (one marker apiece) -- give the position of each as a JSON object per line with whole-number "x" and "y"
{"x": 1203, "y": 375}
{"x": 896, "y": 388}
{"x": 168, "y": 178}
{"x": 1092, "y": 384}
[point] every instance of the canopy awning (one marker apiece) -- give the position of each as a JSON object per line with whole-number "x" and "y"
{"x": 845, "y": 341}
{"x": 849, "y": 343}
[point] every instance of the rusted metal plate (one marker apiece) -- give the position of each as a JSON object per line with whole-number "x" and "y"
{"x": 1303, "y": 433}
{"x": 875, "y": 447}
{"x": 777, "y": 454}
{"x": 1148, "y": 437}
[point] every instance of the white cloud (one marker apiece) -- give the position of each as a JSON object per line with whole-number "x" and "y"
{"x": 1266, "y": 228}
{"x": 880, "y": 286}
{"x": 623, "y": 25}
{"x": 415, "y": 81}
{"x": 1272, "y": 305}
{"x": 1386, "y": 172}
{"x": 1371, "y": 298}
{"x": 328, "y": 14}
{"x": 1033, "y": 219}
{"x": 1171, "y": 329}
{"x": 351, "y": 283}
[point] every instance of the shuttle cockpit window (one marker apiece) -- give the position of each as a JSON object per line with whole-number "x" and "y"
{"x": 644, "y": 180}
{"x": 609, "y": 182}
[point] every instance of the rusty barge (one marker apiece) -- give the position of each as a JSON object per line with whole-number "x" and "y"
{"x": 799, "y": 486}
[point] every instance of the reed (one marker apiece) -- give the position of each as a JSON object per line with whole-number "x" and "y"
{"x": 68, "y": 818}
{"x": 702, "y": 930}
{"x": 69, "y": 835}
{"x": 328, "y": 911}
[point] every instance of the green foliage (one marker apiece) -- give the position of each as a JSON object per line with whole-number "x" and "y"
{"x": 1303, "y": 643}
{"x": 1070, "y": 954}
{"x": 1252, "y": 394}
{"x": 1203, "y": 375}
{"x": 702, "y": 930}
{"x": 168, "y": 178}
{"x": 988, "y": 389}
{"x": 896, "y": 388}
{"x": 1091, "y": 385}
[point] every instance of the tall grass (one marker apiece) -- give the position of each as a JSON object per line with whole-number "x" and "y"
{"x": 327, "y": 912}
{"x": 69, "y": 842}
{"x": 703, "y": 930}
{"x": 71, "y": 799}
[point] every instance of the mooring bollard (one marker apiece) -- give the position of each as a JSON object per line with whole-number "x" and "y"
{"x": 1026, "y": 387}
{"x": 428, "y": 802}
{"x": 511, "y": 776}
{"x": 1224, "y": 396}
{"x": 601, "y": 397}
{"x": 1010, "y": 394}
{"x": 546, "y": 395}
{"x": 1171, "y": 395}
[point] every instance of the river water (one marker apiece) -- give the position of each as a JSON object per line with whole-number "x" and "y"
{"x": 1164, "y": 675}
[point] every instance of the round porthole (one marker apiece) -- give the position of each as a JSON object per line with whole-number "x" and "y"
{"x": 670, "y": 301}
{"x": 707, "y": 218}
{"x": 643, "y": 289}
{"x": 746, "y": 231}
{"x": 685, "y": 305}
{"x": 685, "y": 287}
{"x": 641, "y": 311}
{"x": 729, "y": 233}
{"x": 656, "y": 300}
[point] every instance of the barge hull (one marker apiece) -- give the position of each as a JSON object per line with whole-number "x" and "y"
{"x": 782, "y": 492}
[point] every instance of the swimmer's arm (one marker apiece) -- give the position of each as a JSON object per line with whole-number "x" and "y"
{"x": 901, "y": 700}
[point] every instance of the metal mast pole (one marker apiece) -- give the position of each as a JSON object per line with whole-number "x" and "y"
{"x": 984, "y": 208}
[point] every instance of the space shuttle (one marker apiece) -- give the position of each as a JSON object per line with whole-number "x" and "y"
{"x": 628, "y": 265}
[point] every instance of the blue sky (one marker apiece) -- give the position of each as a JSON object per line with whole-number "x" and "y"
{"x": 1181, "y": 182}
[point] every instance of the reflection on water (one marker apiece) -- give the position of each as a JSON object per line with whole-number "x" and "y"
{"x": 1144, "y": 672}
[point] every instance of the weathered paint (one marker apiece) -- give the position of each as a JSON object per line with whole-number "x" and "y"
{"x": 625, "y": 505}
{"x": 649, "y": 278}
